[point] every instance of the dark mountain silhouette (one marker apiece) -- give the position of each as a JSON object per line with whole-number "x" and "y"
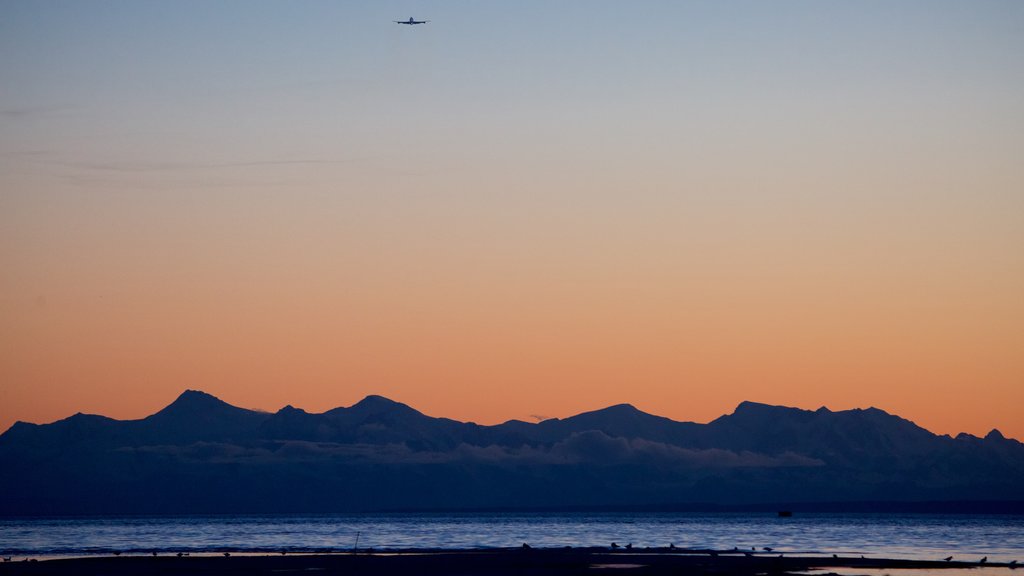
{"x": 200, "y": 455}
{"x": 198, "y": 416}
{"x": 622, "y": 420}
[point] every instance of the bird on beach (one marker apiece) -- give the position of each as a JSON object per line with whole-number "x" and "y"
{"x": 835, "y": 556}
{"x": 117, "y": 552}
{"x": 948, "y": 558}
{"x": 227, "y": 554}
{"x": 154, "y": 553}
{"x": 7, "y": 558}
{"x": 768, "y": 549}
{"x": 983, "y": 560}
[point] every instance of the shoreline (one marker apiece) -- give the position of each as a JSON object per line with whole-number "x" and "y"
{"x": 504, "y": 561}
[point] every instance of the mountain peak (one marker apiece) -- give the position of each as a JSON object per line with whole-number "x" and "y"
{"x": 755, "y": 414}
{"x": 995, "y": 435}
{"x": 614, "y": 411}
{"x": 196, "y": 416}
{"x": 748, "y": 407}
{"x": 196, "y": 396}
{"x": 622, "y": 408}
{"x": 377, "y": 398}
{"x": 375, "y": 404}
{"x": 623, "y": 420}
{"x": 195, "y": 402}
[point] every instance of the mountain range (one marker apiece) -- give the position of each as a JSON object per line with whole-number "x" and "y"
{"x": 202, "y": 455}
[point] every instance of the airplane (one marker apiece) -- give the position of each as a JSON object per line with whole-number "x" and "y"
{"x": 410, "y": 21}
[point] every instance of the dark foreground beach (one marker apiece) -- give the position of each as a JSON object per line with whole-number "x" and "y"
{"x": 520, "y": 562}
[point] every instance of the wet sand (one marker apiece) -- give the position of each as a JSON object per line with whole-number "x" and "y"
{"x": 519, "y": 562}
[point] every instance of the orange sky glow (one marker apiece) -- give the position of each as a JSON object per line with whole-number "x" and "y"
{"x": 809, "y": 205}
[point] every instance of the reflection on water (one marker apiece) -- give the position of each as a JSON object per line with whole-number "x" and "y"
{"x": 926, "y": 537}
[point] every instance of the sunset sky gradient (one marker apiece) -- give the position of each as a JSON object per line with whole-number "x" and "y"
{"x": 520, "y": 209}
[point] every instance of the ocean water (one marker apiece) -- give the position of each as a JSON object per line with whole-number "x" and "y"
{"x": 966, "y": 537}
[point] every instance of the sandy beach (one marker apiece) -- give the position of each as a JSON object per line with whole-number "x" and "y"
{"x": 520, "y": 561}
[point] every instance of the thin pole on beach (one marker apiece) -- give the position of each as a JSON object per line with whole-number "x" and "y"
{"x": 356, "y": 549}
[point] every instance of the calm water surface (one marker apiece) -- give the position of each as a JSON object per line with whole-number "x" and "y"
{"x": 968, "y": 537}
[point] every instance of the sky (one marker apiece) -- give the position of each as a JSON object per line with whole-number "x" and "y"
{"x": 520, "y": 210}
